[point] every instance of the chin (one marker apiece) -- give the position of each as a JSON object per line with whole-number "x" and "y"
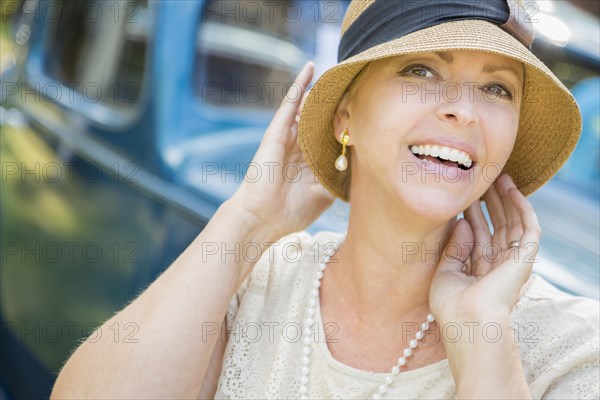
{"x": 437, "y": 202}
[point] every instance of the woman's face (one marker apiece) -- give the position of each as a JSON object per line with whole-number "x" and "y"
{"x": 461, "y": 104}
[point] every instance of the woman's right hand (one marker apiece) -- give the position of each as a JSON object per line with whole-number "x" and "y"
{"x": 279, "y": 189}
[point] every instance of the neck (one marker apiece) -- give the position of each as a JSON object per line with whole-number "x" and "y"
{"x": 382, "y": 272}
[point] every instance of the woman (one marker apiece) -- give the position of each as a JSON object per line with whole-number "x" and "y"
{"x": 412, "y": 128}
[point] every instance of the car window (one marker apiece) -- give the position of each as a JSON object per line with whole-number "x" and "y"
{"x": 248, "y": 52}
{"x": 98, "y": 49}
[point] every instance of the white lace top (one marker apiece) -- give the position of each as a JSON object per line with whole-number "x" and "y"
{"x": 557, "y": 333}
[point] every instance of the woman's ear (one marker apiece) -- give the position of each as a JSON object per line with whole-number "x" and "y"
{"x": 341, "y": 119}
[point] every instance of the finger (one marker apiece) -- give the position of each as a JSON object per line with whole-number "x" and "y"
{"x": 496, "y": 212}
{"x": 521, "y": 261}
{"x": 529, "y": 243}
{"x": 283, "y": 121}
{"x": 459, "y": 247}
{"x": 288, "y": 110}
{"x": 514, "y": 226}
{"x": 302, "y": 104}
{"x": 482, "y": 236}
{"x": 297, "y": 117}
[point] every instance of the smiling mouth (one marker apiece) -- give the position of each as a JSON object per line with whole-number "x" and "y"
{"x": 443, "y": 155}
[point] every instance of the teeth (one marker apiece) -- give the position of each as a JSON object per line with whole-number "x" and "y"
{"x": 445, "y": 153}
{"x": 453, "y": 155}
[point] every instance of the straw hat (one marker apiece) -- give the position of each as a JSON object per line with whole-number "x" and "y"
{"x": 550, "y": 121}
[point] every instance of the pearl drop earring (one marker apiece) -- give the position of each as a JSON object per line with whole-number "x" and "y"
{"x": 342, "y": 162}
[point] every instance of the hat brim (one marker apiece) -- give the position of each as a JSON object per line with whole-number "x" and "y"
{"x": 549, "y": 125}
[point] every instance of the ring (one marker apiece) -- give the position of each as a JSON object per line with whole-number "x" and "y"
{"x": 514, "y": 243}
{"x": 297, "y": 119}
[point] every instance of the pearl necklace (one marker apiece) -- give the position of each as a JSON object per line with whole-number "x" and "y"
{"x": 307, "y": 340}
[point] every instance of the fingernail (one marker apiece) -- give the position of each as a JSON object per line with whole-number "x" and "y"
{"x": 308, "y": 64}
{"x": 303, "y": 69}
{"x": 505, "y": 180}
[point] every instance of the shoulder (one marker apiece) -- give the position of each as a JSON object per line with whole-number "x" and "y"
{"x": 282, "y": 271}
{"x": 289, "y": 255}
{"x": 546, "y": 304}
{"x": 558, "y": 337}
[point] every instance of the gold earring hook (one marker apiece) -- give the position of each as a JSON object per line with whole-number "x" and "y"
{"x": 344, "y": 139}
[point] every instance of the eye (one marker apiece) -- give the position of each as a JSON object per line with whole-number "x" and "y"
{"x": 418, "y": 70}
{"x": 500, "y": 91}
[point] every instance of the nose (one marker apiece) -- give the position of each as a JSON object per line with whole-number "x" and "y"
{"x": 457, "y": 106}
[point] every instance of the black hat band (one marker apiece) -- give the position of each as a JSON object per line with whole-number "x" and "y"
{"x": 386, "y": 20}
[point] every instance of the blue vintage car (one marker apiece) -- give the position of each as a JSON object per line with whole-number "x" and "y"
{"x": 125, "y": 125}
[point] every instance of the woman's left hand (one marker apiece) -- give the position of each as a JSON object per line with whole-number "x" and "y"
{"x": 479, "y": 275}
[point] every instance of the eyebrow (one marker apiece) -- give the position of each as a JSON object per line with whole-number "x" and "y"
{"x": 493, "y": 68}
{"x": 447, "y": 57}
